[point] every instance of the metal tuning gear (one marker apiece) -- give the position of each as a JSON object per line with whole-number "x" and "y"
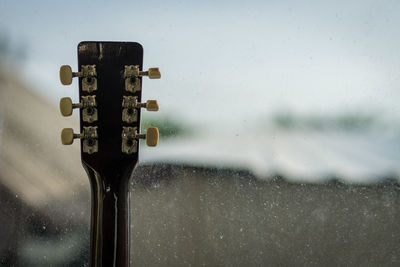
{"x": 89, "y": 136}
{"x": 130, "y": 106}
{"x": 130, "y": 138}
{"x": 88, "y": 106}
{"x": 129, "y": 111}
{"x": 129, "y": 142}
{"x": 132, "y": 74}
{"x": 88, "y": 74}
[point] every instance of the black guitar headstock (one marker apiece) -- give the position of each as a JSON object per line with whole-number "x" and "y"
{"x": 110, "y": 89}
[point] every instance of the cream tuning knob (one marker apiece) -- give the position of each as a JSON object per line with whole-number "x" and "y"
{"x": 151, "y": 136}
{"x": 66, "y": 74}
{"x": 66, "y": 106}
{"x": 68, "y": 136}
{"x": 150, "y": 105}
{"x": 152, "y": 73}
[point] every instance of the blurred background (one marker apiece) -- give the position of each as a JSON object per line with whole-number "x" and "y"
{"x": 279, "y": 123}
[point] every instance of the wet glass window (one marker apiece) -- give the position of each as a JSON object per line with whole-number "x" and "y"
{"x": 279, "y": 133}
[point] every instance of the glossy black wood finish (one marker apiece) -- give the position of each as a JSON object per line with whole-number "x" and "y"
{"x": 109, "y": 169}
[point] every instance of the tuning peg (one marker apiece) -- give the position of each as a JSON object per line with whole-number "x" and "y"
{"x": 66, "y": 74}
{"x": 130, "y": 135}
{"x": 150, "y": 105}
{"x": 66, "y": 106}
{"x": 89, "y": 136}
{"x": 68, "y": 136}
{"x": 151, "y": 136}
{"x": 88, "y": 73}
{"x": 152, "y": 73}
{"x": 88, "y": 104}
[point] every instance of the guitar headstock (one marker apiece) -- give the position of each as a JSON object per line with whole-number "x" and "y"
{"x": 110, "y": 91}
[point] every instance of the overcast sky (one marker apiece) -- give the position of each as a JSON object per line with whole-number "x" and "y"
{"x": 230, "y": 60}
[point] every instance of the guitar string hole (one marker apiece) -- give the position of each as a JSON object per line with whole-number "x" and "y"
{"x": 90, "y": 142}
{"x": 89, "y": 80}
{"x": 129, "y": 142}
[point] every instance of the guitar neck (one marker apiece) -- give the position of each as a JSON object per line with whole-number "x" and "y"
{"x": 109, "y": 244}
